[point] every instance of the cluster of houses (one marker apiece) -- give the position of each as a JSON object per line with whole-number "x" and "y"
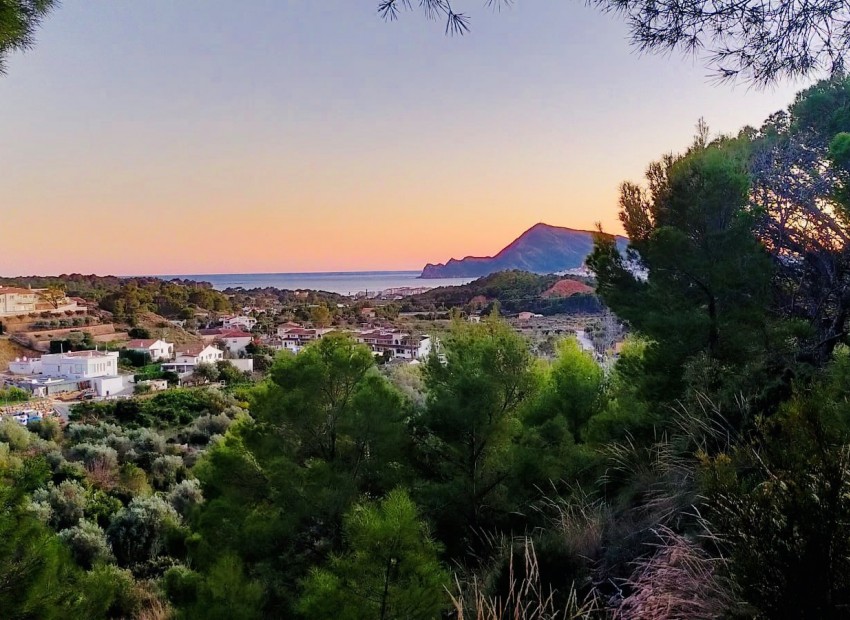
{"x": 96, "y": 372}
{"x": 391, "y": 343}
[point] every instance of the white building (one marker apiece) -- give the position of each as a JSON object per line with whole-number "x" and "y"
{"x": 234, "y": 340}
{"x": 157, "y": 349}
{"x": 293, "y": 337}
{"x": 75, "y": 370}
{"x": 188, "y": 358}
{"x": 396, "y": 344}
{"x": 240, "y": 322}
{"x": 14, "y": 300}
{"x": 80, "y": 364}
{"x": 25, "y": 366}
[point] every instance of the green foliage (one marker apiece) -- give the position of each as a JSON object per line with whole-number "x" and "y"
{"x": 573, "y": 389}
{"x": 88, "y": 544}
{"x": 389, "y": 568}
{"x": 231, "y": 375}
{"x": 469, "y": 425}
{"x": 139, "y": 532}
{"x": 708, "y": 278}
{"x": 514, "y": 290}
{"x": 13, "y": 395}
{"x": 66, "y": 503}
{"x": 169, "y": 409}
{"x": 136, "y": 359}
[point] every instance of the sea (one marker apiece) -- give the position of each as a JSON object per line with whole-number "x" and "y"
{"x": 342, "y": 282}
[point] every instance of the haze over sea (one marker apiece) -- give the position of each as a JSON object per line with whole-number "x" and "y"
{"x": 343, "y": 282}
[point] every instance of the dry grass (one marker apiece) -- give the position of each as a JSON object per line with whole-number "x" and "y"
{"x": 9, "y": 351}
{"x": 159, "y": 327}
{"x": 527, "y": 598}
{"x": 678, "y": 581}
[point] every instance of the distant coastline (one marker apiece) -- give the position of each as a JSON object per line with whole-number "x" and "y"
{"x": 342, "y": 282}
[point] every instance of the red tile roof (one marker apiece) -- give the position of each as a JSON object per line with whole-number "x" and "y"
{"x": 235, "y": 333}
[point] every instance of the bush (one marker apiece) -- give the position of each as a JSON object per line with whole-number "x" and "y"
{"x": 185, "y": 496}
{"x": 139, "y": 532}
{"x": 67, "y": 502}
{"x": 48, "y": 429}
{"x": 14, "y": 434}
{"x": 137, "y": 359}
{"x": 14, "y": 395}
{"x": 90, "y": 453}
{"x": 140, "y": 333}
{"x": 205, "y": 427}
{"x": 88, "y": 544}
{"x": 166, "y": 470}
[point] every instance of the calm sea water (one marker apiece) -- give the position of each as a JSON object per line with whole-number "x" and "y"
{"x": 343, "y": 282}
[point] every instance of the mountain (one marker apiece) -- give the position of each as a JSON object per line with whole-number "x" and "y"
{"x": 540, "y": 249}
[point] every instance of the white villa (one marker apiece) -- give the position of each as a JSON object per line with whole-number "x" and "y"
{"x": 240, "y": 322}
{"x": 75, "y": 370}
{"x": 395, "y": 343}
{"x": 234, "y": 340}
{"x": 157, "y": 349}
{"x": 15, "y": 300}
{"x": 188, "y": 358}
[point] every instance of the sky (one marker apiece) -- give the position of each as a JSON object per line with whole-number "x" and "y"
{"x": 212, "y": 136}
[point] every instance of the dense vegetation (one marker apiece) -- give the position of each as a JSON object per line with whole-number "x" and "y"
{"x": 126, "y": 297}
{"x": 510, "y": 291}
{"x": 704, "y": 474}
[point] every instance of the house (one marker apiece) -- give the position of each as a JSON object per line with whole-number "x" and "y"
{"x": 527, "y": 316}
{"x": 25, "y": 366}
{"x": 233, "y": 340}
{"x": 293, "y": 337}
{"x": 157, "y": 349}
{"x": 67, "y": 372}
{"x": 395, "y": 344}
{"x": 80, "y": 364}
{"x": 236, "y": 341}
{"x": 367, "y": 313}
{"x": 14, "y": 300}
{"x": 240, "y": 322}
{"x": 187, "y": 358}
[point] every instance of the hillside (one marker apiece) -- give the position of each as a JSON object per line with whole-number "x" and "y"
{"x": 515, "y": 291}
{"x": 540, "y": 249}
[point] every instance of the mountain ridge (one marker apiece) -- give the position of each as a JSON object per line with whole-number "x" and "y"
{"x": 542, "y": 249}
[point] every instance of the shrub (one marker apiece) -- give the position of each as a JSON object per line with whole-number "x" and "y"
{"x": 166, "y": 470}
{"x": 67, "y": 502}
{"x": 48, "y": 429}
{"x": 185, "y": 496}
{"x": 90, "y": 453}
{"x": 139, "y": 532}
{"x": 15, "y": 435}
{"x": 88, "y": 544}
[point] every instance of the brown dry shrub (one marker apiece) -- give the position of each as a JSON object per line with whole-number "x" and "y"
{"x": 679, "y": 580}
{"x": 101, "y": 475}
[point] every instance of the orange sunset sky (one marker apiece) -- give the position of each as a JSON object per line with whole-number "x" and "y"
{"x": 187, "y": 137}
